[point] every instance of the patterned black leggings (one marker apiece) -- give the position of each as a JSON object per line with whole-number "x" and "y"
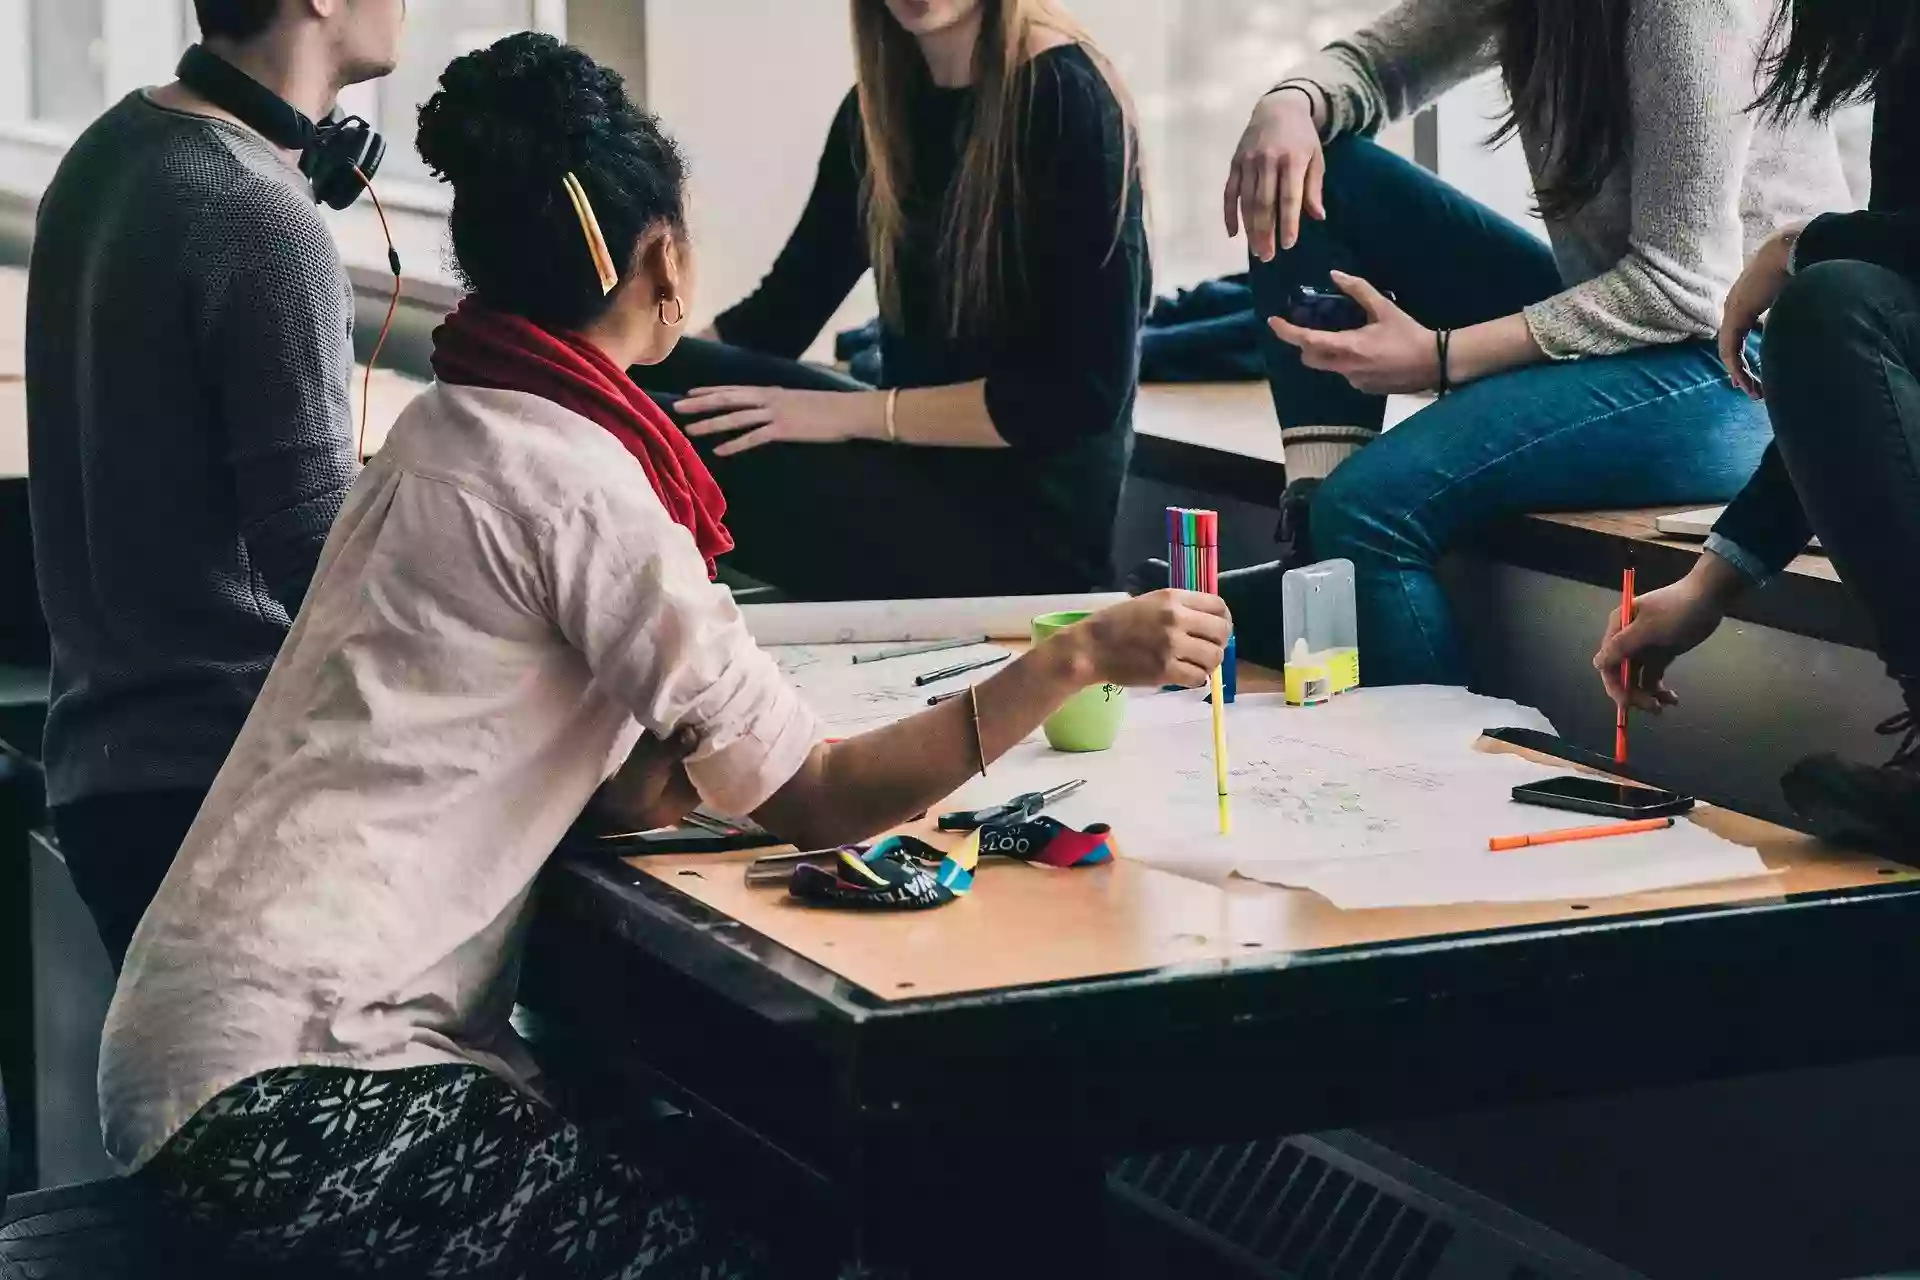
{"x": 440, "y": 1171}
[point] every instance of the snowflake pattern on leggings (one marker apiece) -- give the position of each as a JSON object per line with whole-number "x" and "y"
{"x": 440, "y": 1171}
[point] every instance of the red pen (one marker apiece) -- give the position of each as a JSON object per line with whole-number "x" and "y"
{"x": 1626, "y": 669}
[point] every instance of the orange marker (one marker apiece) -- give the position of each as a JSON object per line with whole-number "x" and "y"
{"x": 1506, "y": 844}
{"x": 1626, "y": 669}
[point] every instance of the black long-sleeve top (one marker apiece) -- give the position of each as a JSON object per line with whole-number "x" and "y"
{"x": 1888, "y": 233}
{"x": 1766, "y": 527}
{"x": 1061, "y": 370}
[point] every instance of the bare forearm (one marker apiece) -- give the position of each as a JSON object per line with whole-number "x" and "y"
{"x": 854, "y": 789}
{"x": 1494, "y": 347}
{"x": 954, "y": 417}
{"x": 1716, "y": 579}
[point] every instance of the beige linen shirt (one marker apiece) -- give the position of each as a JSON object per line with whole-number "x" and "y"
{"x": 501, "y": 608}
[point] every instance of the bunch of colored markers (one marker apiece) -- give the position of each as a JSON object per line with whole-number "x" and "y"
{"x": 1193, "y": 551}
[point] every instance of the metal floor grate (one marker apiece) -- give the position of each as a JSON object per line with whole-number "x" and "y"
{"x": 1338, "y": 1207}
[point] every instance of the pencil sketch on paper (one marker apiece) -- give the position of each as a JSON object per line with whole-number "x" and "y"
{"x": 851, "y": 698}
{"x": 793, "y": 659}
{"x": 1339, "y": 808}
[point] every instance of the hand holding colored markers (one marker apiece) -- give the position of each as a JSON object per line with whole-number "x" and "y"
{"x": 1193, "y": 550}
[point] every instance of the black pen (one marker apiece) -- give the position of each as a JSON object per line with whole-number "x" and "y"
{"x": 939, "y": 698}
{"x": 935, "y": 677}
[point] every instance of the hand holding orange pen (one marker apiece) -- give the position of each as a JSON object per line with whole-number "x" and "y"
{"x": 1626, "y": 668}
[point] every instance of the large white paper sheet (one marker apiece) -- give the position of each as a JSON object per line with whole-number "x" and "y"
{"x": 904, "y": 621}
{"x": 1376, "y": 800}
{"x": 1687, "y": 855}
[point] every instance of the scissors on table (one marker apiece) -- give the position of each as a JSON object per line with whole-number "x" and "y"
{"x": 1023, "y": 808}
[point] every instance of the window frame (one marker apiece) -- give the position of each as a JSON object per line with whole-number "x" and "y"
{"x": 140, "y": 39}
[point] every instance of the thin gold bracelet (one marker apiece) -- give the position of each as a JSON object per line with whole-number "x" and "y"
{"x": 893, "y": 422}
{"x": 979, "y": 739}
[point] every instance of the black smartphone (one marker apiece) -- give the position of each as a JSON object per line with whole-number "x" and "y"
{"x": 1328, "y": 310}
{"x": 1604, "y": 798}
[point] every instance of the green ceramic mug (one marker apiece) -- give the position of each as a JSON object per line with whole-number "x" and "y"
{"x": 1090, "y": 720}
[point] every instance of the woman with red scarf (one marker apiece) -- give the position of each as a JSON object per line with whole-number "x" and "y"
{"x": 310, "y": 1044}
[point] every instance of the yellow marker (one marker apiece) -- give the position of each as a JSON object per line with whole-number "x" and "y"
{"x": 1220, "y": 749}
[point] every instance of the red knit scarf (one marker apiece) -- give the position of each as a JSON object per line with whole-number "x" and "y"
{"x": 479, "y": 347}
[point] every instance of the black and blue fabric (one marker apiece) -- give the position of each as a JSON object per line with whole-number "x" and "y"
{"x": 1209, "y": 333}
{"x": 899, "y": 874}
{"x": 905, "y": 874}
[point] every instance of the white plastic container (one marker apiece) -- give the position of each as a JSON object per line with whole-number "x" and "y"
{"x": 1323, "y": 638}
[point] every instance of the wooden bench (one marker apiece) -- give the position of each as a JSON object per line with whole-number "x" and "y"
{"x": 1592, "y": 547}
{"x": 1216, "y": 438}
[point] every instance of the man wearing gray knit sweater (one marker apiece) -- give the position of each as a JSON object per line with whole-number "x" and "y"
{"x": 189, "y": 357}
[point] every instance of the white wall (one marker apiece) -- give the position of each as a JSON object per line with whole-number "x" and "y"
{"x": 15, "y": 98}
{"x": 748, "y": 88}
{"x": 1496, "y": 176}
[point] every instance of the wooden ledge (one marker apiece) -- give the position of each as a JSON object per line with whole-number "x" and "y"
{"x": 1593, "y": 547}
{"x": 1217, "y": 438}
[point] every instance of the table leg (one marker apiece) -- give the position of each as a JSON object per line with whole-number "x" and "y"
{"x": 982, "y": 1203}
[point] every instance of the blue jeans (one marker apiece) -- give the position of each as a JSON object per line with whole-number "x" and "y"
{"x": 1655, "y": 427}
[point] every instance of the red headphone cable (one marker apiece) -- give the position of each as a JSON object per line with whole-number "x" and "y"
{"x": 386, "y": 328}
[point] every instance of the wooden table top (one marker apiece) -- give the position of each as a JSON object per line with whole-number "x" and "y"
{"x": 1230, "y": 417}
{"x": 1025, "y": 926}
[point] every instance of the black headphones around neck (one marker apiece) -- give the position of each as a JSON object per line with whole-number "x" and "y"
{"x": 339, "y": 155}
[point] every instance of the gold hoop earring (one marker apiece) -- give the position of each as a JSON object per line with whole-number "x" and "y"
{"x": 679, "y": 312}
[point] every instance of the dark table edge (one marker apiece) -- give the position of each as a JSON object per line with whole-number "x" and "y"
{"x": 1424, "y": 1027}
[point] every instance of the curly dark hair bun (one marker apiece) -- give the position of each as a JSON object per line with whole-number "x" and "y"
{"x": 507, "y": 125}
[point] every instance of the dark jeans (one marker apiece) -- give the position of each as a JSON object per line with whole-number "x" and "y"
{"x": 853, "y": 521}
{"x": 118, "y": 849}
{"x": 1842, "y": 357}
{"x": 1653, "y": 427}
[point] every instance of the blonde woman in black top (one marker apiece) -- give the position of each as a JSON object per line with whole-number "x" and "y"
{"x": 984, "y": 169}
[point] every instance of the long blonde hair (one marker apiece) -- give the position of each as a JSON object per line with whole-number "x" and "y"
{"x": 982, "y": 256}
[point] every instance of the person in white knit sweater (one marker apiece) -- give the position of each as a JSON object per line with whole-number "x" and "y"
{"x": 1574, "y": 375}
